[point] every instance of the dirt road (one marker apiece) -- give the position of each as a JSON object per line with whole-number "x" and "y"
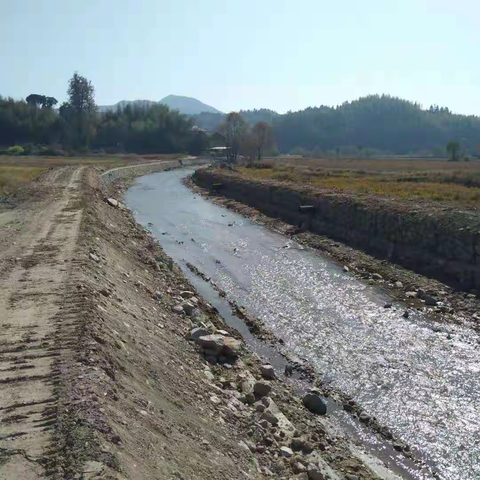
{"x": 37, "y": 245}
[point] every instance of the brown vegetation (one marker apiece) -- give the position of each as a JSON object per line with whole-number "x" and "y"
{"x": 406, "y": 179}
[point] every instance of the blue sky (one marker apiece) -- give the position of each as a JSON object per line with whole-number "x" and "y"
{"x": 239, "y": 54}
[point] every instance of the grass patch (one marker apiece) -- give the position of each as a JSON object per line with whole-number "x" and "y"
{"x": 14, "y": 177}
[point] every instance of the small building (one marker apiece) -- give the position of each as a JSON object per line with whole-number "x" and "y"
{"x": 219, "y": 151}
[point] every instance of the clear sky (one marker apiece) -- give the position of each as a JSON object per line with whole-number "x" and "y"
{"x": 241, "y": 54}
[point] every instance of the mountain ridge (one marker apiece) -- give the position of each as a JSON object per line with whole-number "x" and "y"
{"x": 186, "y": 105}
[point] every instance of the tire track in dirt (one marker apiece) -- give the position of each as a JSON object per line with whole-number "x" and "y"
{"x": 36, "y": 328}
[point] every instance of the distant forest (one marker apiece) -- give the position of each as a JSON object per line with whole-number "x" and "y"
{"x": 382, "y": 124}
{"x": 370, "y": 125}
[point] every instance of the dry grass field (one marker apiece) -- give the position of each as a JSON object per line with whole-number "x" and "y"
{"x": 18, "y": 171}
{"x": 407, "y": 179}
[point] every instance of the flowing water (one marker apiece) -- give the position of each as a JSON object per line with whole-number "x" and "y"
{"x": 418, "y": 378}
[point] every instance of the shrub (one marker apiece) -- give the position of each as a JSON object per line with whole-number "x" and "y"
{"x": 15, "y": 150}
{"x": 51, "y": 152}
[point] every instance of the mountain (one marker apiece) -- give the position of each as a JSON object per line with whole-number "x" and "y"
{"x": 186, "y": 105}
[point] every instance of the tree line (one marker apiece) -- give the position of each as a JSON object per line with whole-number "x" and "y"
{"x": 371, "y": 124}
{"x": 35, "y": 126}
{"x": 382, "y": 124}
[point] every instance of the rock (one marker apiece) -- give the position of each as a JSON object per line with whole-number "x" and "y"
{"x": 112, "y": 202}
{"x": 364, "y": 418}
{"x": 345, "y": 268}
{"x": 347, "y": 407}
{"x": 398, "y": 284}
{"x": 288, "y": 370}
{"x": 298, "y": 467}
{"x": 262, "y": 389}
{"x": 158, "y": 295}
{"x": 314, "y": 472}
{"x": 314, "y": 403}
{"x": 269, "y": 417}
{"x": 222, "y": 332}
{"x": 210, "y": 376}
{"x": 351, "y": 477}
{"x": 286, "y": 452}
{"x": 177, "y": 309}
{"x": 215, "y": 400}
{"x": 198, "y": 332}
{"x": 251, "y": 446}
{"x": 94, "y": 257}
{"x": 187, "y": 294}
{"x": 264, "y": 424}
{"x": 377, "y": 276}
{"x": 244, "y": 446}
{"x": 405, "y": 314}
{"x": 429, "y": 300}
{"x": 220, "y": 345}
{"x": 297, "y": 444}
{"x": 410, "y": 294}
{"x": 260, "y": 448}
{"x": 260, "y": 408}
{"x": 267, "y": 372}
{"x": 387, "y": 305}
{"x": 188, "y": 308}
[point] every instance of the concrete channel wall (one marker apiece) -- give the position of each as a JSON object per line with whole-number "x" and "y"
{"x": 435, "y": 246}
{"x": 133, "y": 171}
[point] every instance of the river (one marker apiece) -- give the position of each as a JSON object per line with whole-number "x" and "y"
{"x": 418, "y": 378}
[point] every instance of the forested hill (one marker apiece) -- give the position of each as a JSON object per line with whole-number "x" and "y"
{"x": 383, "y": 123}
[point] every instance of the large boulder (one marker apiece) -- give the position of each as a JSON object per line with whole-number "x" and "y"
{"x": 262, "y": 389}
{"x": 198, "y": 332}
{"x": 220, "y": 345}
{"x": 314, "y": 403}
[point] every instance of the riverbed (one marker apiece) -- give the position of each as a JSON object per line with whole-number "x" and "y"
{"x": 418, "y": 378}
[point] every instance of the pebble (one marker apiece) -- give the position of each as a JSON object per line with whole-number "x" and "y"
{"x": 177, "y": 309}
{"x": 187, "y": 294}
{"x": 269, "y": 417}
{"x": 267, "y": 372}
{"x": 94, "y": 257}
{"x": 286, "y": 452}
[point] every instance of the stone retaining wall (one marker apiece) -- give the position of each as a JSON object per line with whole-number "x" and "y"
{"x": 133, "y": 171}
{"x": 435, "y": 246}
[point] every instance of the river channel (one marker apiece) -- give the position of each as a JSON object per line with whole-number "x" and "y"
{"x": 418, "y": 378}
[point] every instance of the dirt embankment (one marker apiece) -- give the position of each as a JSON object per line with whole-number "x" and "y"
{"x": 99, "y": 378}
{"x": 277, "y": 207}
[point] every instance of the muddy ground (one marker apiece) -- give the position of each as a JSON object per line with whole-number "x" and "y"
{"x": 99, "y": 376}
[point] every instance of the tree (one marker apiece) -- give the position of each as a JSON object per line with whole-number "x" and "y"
{"x": 200, "y": 142}
{"x": 35, "y": 100}
{"x": 80, "y": 111}
{"x": 49, "y": 102}
{"x": 41, "y": 100}
{"x": 81, "y": 95}
{"x": 453, "y": 148}
{"x": 233, "y": 129}
{"x": 262, "y": 134}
